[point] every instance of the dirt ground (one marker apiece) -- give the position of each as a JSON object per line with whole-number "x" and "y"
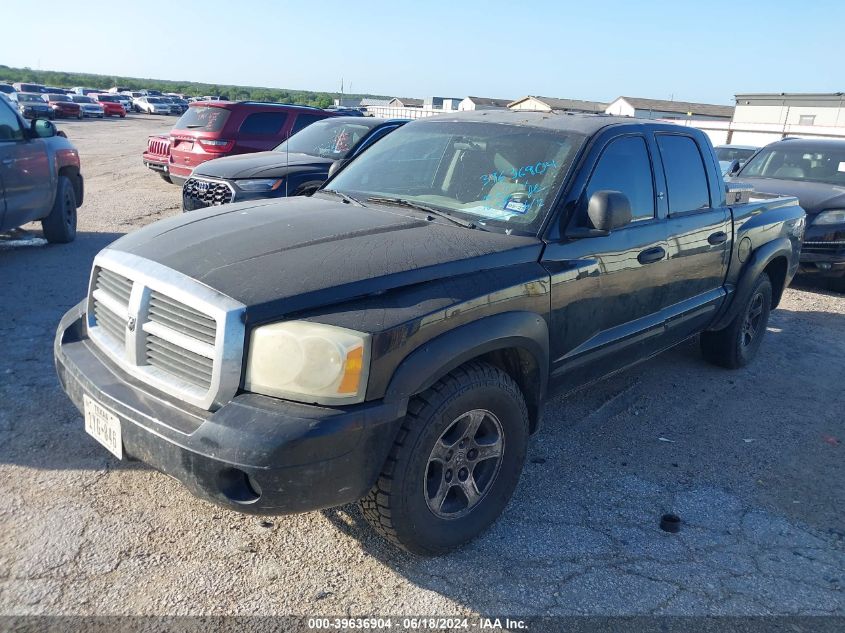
{"x": 752, "y": 460}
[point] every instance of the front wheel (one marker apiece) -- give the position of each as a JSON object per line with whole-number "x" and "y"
{"x": 455, "y": 462}
{"x": 60, "y": 226}
{"x": 736, "y": 345}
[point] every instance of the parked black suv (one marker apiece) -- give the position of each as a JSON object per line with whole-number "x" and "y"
{"x": 297, "y": 167}
{"x": 393, "y": 337}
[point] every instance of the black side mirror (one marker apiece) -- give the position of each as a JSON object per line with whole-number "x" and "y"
{"x": 733, "y": 170}
{"x": 608, "y": 210}
{"x": 42, "y": 128}
{"x": 337, "y": 166}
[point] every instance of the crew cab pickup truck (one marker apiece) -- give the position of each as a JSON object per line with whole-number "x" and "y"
{"x": 40, "y": 177}
{"x": 394, "y": 337}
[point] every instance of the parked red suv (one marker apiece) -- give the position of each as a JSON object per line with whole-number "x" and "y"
{"x": 211, "y": 129}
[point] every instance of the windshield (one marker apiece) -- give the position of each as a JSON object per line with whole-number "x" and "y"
{"x": 327, "y": 138}
{"x": 81, "y": 99}
{"x": 734, "y": 153}
{"x": 203, "y": 119}
{"x": 799, "y": 163}
{"x": 108, "y": 98}
{"x": 29, "y": 98}
{"x": 503, "y": 176}
{"x": 58, "y": 98}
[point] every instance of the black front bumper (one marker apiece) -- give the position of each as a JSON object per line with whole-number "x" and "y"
{"x": 823, "y": 251}
{"x": 256, "y": 454}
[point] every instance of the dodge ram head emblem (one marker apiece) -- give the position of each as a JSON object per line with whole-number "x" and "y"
{"x": 131, "y": 324}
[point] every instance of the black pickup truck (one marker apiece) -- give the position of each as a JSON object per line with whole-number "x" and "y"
{"x": 393, "y": 338}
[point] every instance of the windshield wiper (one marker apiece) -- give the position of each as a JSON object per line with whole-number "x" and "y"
{"x": 402, "y": 202}
{"x": 345, "y": 197}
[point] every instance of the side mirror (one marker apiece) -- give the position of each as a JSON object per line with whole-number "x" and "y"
{"x": 42, "y": 128}
{"x": 337, "y": 166}
{"x": 733, "y": 170}
{"x": 608, "y": 210}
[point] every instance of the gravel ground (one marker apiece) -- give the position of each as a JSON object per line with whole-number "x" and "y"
{"x": 752, "y": 461}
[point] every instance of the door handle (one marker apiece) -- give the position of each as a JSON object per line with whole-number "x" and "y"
{"x": 719, "y": 237}
{"x": 651, "y": 255}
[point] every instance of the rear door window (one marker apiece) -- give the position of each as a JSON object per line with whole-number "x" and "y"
{"x": 264, "y": 123}
{"x": 686, "y": 178}
{"x": 625, "y": 166}
{"x": 203, "y": 119}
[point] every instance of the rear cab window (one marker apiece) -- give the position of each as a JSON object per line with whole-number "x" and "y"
{"x": 203, "y": 119}
{"x": 686, "y": 177}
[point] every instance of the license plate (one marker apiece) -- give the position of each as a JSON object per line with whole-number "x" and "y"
{"x": 185, "y": 146}
{"x": 102, "y": 425}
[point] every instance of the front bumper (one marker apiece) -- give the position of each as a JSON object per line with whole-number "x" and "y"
{"x": 823, "y": 251}
{"x": 256, "y": 454}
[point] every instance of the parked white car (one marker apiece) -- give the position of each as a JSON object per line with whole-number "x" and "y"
{"x": 90, "y": 107}
{"x": 151, "y": 105}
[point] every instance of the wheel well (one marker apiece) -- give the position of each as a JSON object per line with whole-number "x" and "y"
{"x": 776, "y": 270}
{"x": 72, "y": 173}
{"x": 523, "y": 368}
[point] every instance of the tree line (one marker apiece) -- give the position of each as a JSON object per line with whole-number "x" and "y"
{"x": 189, "y": 88}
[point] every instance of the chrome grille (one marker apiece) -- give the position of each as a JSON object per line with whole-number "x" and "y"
{"x": 159, "y": 146}
{"x": 823, "y": 248}
{"x": 206, "y": 193}
{"x": 166, "y": 329}
{"x": 176, "y": 360}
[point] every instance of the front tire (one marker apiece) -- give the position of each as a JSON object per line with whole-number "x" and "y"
{"x": 736, "y": 345}
{"x": 455, "y": 462}
{"x": 60, "y": 226}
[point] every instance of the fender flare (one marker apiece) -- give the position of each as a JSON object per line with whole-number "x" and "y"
{"x": 760, "y": 259}
{"x": 526, "y": 331}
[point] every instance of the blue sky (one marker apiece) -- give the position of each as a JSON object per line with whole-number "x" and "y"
{"x": 703, "y": 51}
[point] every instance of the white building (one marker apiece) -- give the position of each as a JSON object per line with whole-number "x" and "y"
{"x": 552, "y": 104}
{"x": 483, "y": 103}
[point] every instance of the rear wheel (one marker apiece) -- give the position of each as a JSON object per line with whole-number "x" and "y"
{"x": 60, "y": 226}
{"x": 455, "y": 463}
{"x": 165, "y": 177}
{"x": 736, "y": 345}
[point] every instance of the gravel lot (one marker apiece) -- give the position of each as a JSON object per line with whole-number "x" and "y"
{"x": 753, "y": 461}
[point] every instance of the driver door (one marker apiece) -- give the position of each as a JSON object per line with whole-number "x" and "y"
{"x": 607, "y": 290}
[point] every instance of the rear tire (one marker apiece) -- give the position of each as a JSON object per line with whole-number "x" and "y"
{"x": 60, "y": 226}
{"x": 455, "y": 462}
{"x": 736, "y": 345}
{"x": 165, "y": 178}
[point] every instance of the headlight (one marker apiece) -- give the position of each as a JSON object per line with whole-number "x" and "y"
{"x": 834, "y": 216}
{"x": 259, "y": 184}
{"x": 308, "y": 362}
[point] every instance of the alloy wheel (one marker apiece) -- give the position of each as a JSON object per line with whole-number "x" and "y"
{"x": 752, "y": 320}
{"x": 464, "y": 463}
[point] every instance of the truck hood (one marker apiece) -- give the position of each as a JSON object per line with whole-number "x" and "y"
{"x": 259, "y": 165}
{"x": 813, "y": 197}
{"x": 283, "y": 256}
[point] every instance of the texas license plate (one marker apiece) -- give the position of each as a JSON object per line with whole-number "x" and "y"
{"x": 102, "y": 425}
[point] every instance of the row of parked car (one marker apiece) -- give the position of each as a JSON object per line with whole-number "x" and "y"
{"x": 80, "y": 102}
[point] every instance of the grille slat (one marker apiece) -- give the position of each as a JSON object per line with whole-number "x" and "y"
{"x": 823, "y": 248}
{"x": 109, "y": 321}
{"x": 181, "y": 318}
{"x": 179, "y": 362}
{"x": 117, "y": 286}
